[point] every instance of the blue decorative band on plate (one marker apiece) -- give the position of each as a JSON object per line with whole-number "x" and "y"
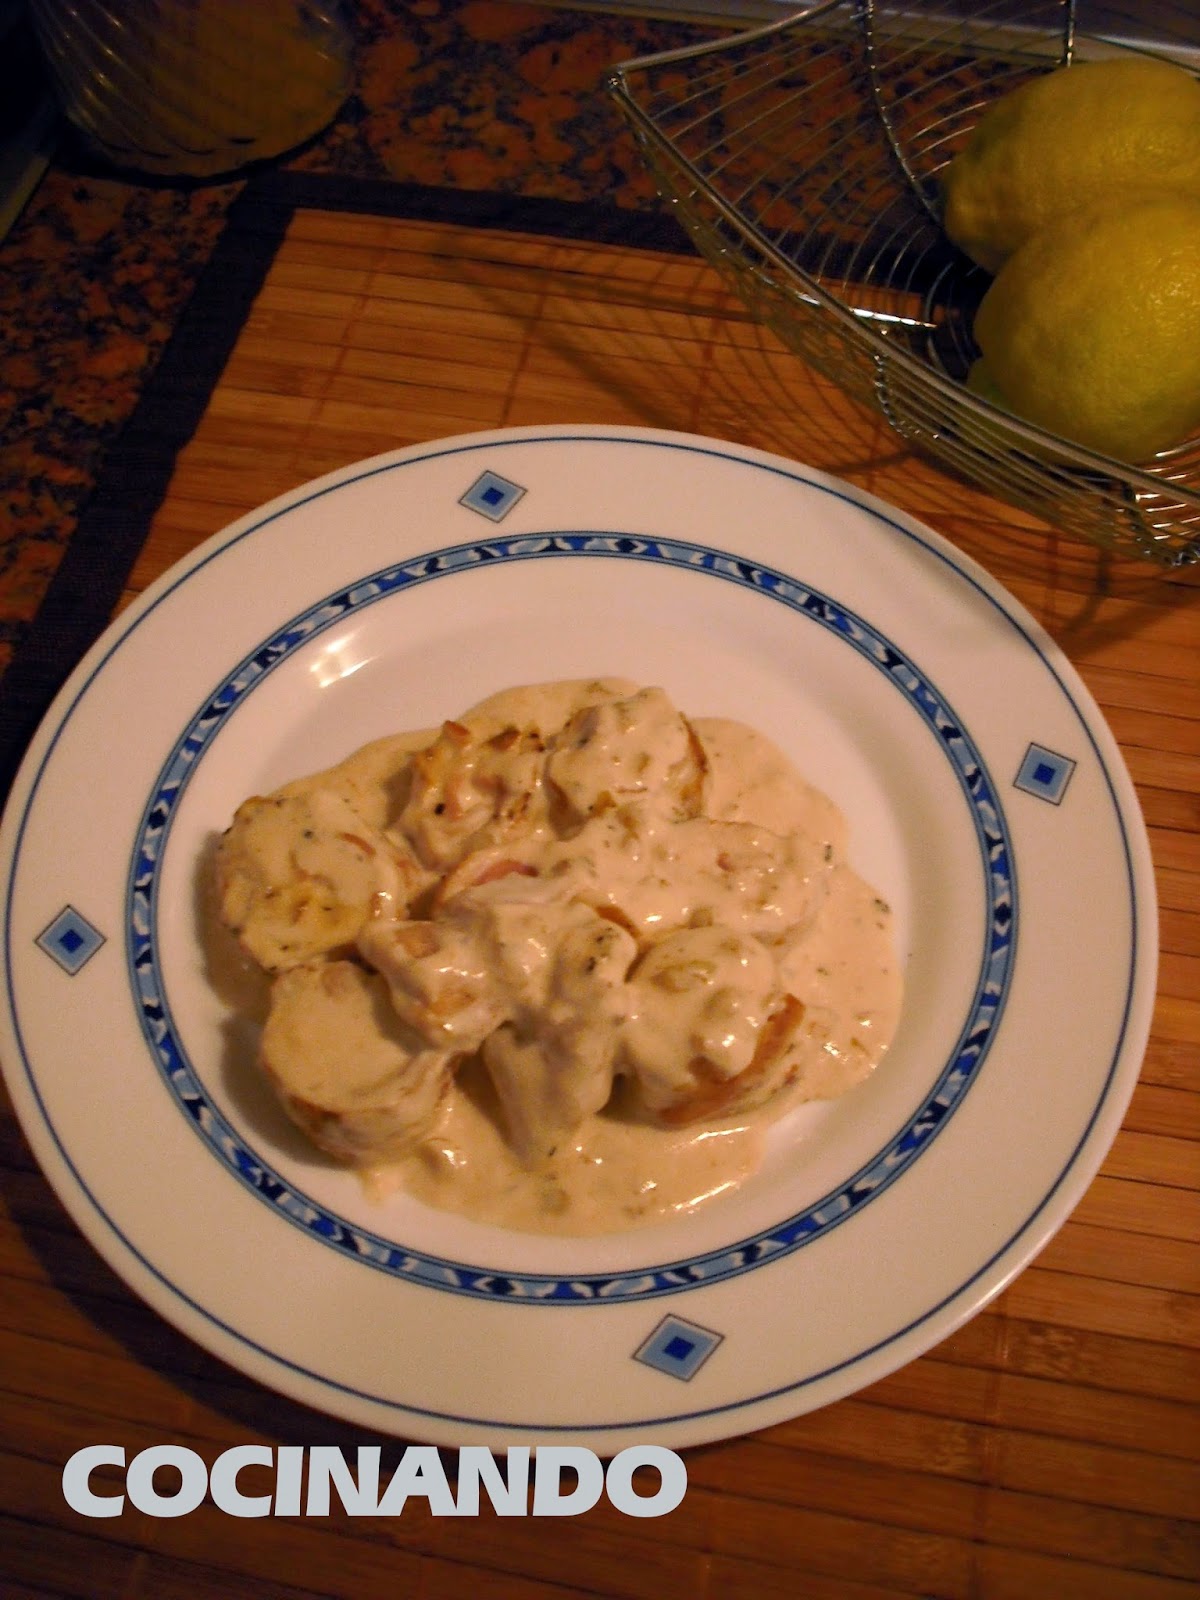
{"x": 678, "y": 1347}
{"x": 1044, "y": 773}
{"x": 492, "y": 496}
{"x": 228, "y": 1143}
{"x": 70, "y": 940}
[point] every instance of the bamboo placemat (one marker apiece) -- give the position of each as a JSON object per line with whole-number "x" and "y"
{"x": 1049, "y": 1448}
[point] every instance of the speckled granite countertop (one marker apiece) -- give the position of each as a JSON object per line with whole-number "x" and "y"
{"x": 468, "y": 94}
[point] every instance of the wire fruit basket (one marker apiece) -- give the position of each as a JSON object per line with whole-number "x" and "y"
{"x": 803, "y": 158}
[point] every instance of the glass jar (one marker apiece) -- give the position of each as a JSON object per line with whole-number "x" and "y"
{"x": 196, "y": 87}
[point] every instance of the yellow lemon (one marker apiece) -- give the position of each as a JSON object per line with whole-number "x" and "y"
{"x": 1064, "y": 139}
{"x": 1092, "y": 329}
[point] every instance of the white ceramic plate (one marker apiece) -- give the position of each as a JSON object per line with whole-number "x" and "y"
{"x": 986, "y": 799}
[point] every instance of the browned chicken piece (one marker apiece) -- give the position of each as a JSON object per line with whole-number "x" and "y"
{"x": 709, "y": 1029}
{"x": 361, "y": 1084}
{"x": 623, "y": 750}
{"x": 297, "y": 875}
{"x": 476, "y": 787}
{"x": 469, "y": 792}
{"x": 552, "y": 1066}
{"x": 438, "y": 978}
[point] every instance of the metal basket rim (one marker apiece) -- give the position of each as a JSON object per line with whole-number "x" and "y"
{"x": 1131, "y": 478}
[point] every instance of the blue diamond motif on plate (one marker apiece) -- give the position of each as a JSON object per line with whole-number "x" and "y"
{"x": 70, "y": 940}
{"x": 492, "y": 496}
{"x": 1044, "y": 773}
{"x": 678, "y": 1348}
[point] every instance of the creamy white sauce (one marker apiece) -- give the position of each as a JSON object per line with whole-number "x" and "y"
{"x": 620, "y": 1171}
{"x": 610, "y": 945}
{"x": 617, "y": 1172}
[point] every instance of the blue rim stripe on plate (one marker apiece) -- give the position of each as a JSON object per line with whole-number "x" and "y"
{"x": 438, "y": 1272}
{"x": 905, "y": 530}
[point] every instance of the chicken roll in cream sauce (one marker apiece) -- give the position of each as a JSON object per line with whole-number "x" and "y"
{"x": 558, "y": 964}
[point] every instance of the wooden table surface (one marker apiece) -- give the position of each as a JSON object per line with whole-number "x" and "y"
{"x": 1049, "y": 1447}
